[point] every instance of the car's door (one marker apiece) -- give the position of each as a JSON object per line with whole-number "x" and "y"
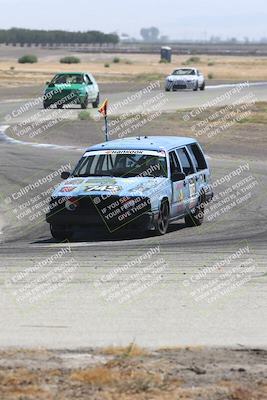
{"x": 178, "y": 186}
{"x": 191, "y": 196}
{"x": 200, "y": 165}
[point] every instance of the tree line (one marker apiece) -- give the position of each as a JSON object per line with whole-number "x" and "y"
{"x": 25, "y": 36}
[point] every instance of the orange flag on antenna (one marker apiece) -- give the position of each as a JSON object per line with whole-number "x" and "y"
{"x": 104, "y": 108}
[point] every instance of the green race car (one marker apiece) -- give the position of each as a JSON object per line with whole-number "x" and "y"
{"x": 71, "y": 88}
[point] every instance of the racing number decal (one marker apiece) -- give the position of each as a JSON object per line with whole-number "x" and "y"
{"x": 103, "y": 188}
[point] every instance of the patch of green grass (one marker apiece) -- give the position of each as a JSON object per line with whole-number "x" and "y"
{"x": 106, "y": 65}
{"x": 116, "y": 60}
{"x": 28, "y": 59}
{"x": 70, "y": 60}
{"x": 192, "y": 60}
{"x": 210, "y": 75}
{"x": 84, "y": 116}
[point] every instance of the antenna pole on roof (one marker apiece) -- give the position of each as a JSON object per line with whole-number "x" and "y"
{"x": 103, "y": 110}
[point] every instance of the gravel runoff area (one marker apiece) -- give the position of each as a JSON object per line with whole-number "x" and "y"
{"x": 134, "y": 373}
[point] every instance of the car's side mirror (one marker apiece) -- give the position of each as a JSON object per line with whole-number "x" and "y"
{"x": 178, "y": 176}
{"x": 65, "y": 174}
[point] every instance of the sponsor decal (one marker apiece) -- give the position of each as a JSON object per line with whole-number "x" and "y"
{"x": 181, "y": 195}
{"x": 143, "y": 152}
{"x": 67, "y": 189}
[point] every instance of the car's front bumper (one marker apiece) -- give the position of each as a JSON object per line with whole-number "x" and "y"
{"x": 88, "y": 213}
{"x": 65, "y": 97}
{"x": 180, "y": 84}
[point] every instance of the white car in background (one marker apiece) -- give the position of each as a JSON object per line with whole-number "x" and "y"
{"x": 185, "y": 78}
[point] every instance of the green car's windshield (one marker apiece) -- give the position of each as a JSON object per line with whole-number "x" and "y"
{"x": 67, "y": 79}
{"x": 125, "y": 165}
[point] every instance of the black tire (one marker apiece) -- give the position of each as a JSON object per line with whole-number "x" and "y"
{"x": 202, "y": 87}
{"x": 162, "y": 223}
{"x": 60, "y": 233}
{"x": 196, "y": 87}
{"x": 96, "y": 102}
{"x": 167, "y": 89}
{"x": 84, "y": 104}
{"x": 60, "y": 106}
{"x": 46, "y": 105}
{"x": 196, "y": 217}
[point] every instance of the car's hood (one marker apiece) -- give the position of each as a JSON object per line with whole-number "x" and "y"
{"x": 137, "y": 186}
{"x": 60, "y": 87}
{"x": 182, "y": 77}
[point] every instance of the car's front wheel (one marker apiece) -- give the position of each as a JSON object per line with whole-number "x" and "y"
{"x": 46, "y": 105}
{"x": 195, "y": 89}
{"x": 202, "y": 87}
{"x": 84, "y": 103}
{"x": 60, "y": 233}
{"x": 96, "y": 102}
{"x": 163, "y": 218}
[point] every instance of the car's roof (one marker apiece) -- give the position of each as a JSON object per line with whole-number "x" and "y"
{"x": 175, "y": 69}
{"x": 144, "y": 143}
{"x": 70, "y": 73}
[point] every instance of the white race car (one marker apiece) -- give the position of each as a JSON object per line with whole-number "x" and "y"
{"x": 185, "y": 78}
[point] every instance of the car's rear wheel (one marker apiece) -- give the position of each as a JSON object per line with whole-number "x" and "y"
{"x": 202, "y": 87}
{"x": 96, "y": 102}
{"x": 84, "y": 103}
{"x": 46, "y": 105}
{"x": 60, "y": 233}
{"x": 196, "y": 216}
{"x": 60, "y": 106}
{"x": 196, "y": 87}
{"x": 167, "y": 89}
{"x": 163, "y": 218}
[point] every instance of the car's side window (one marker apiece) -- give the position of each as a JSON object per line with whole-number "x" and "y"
{"x": 174, "y": 163}
{"x": 197, "y": 156}
{"x": 89, "y": 82}
{"x": 185, "y": 161}
{"x": 86, "y": 79}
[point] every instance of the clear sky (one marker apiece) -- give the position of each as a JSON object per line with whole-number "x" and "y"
{"x": 178, "y": 19}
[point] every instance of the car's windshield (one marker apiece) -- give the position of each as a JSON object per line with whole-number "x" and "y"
{"x": 68, "y": 78}
{"x": 184, "y": 71}
{"x": 122, "y": 163}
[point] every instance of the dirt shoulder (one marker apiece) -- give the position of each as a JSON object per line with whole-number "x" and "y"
{"x": 130, "y": 67}
{"x": 245, "y": 139}
{"x": 133, "y": 373}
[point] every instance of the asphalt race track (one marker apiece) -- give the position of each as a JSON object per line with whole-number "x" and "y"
{"x": 170, "y": 309}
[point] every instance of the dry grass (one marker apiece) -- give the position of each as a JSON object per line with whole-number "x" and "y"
{"x": 100, "y": 376}
{"x": 136, "y": 67}
{"x": 167, "y": 374}
{"x": 130, "y": 351}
